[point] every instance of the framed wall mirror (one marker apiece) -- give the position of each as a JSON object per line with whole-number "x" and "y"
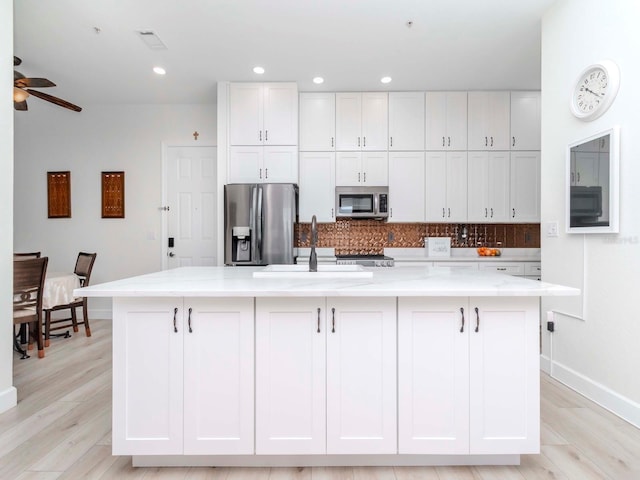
{"x": 593, "y": 183}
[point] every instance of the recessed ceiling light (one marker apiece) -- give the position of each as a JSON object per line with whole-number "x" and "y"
{"x": 159, "y": 70}
{"x": 258, "y": 70}
{"x": 318, "y": 80}
{"x": 385, "y": 79}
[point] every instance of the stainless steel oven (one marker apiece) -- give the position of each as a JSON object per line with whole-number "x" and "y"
{"x": 362, "y": 202}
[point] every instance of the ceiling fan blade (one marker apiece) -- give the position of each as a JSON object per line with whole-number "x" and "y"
{"x": 33, "y": 82}
{"x": 55, "y": 100}
{"x": 16, "y": 61}
{"x": 20, "y": 105}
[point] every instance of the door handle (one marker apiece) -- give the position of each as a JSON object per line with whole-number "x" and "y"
{"x": 189, "y": 320}
{"x": 171, "y": 254}
{"x": 462, "y": 315}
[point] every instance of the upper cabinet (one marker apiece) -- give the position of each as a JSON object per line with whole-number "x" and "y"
{"x": 446, "y": 120}
{"x": 361, "y": 121}
{"x": 489, "y": 120}
{"x": 317, "y": 122}
{"x": 263, "y": 114}
{"x": 525, "y": 120}
{"x": 406, "y": 121}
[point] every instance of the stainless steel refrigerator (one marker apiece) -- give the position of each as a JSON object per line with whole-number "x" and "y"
{"x": 258, "y": 223}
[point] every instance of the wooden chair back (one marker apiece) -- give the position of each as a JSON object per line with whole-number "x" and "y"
{"x": 28, "y": 285}
{"x": 26, "y": 255}
{"x": 84, "y": 265}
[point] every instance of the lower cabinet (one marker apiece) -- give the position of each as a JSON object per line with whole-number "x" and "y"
{"x": 326, "y": 376}
{"x": 468, "y": 380}
{"x": 183, "y": 376}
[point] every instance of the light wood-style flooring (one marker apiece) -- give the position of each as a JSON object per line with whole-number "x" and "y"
{"x": 61, "y": 429}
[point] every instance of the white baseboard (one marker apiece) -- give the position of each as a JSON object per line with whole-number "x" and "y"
{"x": 545, "y": 364}
{"x": 8, "y": 399}
{"x": 617, "y": 404}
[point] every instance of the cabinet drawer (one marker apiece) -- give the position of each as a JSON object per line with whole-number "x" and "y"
{"x": 503, "y": 267}
{"x": 532, "y": 269}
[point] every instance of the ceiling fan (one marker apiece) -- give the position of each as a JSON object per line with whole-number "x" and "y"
{"x": 23, "y": 87}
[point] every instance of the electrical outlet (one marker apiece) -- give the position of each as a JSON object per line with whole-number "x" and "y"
{"x": 552, "y": 229}
{"x": 390, "y": 237}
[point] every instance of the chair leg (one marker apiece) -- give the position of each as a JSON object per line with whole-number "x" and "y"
{"x": 16, "y": 344}
{"x": 47, "y": 327}
{"x": 39, "y": 341}
{"x": 85, "y": 316}
{"x": 74, "y": 320}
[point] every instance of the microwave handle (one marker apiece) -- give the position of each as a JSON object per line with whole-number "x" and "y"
{"x": 376, "y": 200}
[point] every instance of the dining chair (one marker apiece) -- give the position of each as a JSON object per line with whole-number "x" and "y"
{"x": 84, "y": 265}
{"x": 26, "y": 255}
{"x": 28, "y": 283}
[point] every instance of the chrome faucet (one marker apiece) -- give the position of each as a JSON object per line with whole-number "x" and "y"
{"x": 313, "y": 258}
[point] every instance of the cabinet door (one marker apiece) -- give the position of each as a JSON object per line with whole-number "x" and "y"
{"x": 504, "y": 376}
{"x": 435, "y": 187}
{"x": 317, "y": 186}
{"x": 525, "y": 187}
{"x": 348, "y": 169}
{"x": 456, "y": 186}
{"x": 498, "y": 192}
{"x": 218, "y": 376}
{"x": 406, "y": 121}
{"x": 433, "y": 375}
{"x": 525, "y": 121}
{"x": 375, "y": 169}
{"x": 375, "y": 117}
{"x": 456, "y": 120}
{"x": 245, "y": 164}
{"x": 446, "y": 123}
{"x": 280, "y": 114}
{"x": 317, "y": 122}
{"x": 488, "y": 120}
{"x": 478, "y": 191}
{"x": 436, "y": 120}
{"x": 406, "y": 187}
{"x": 290, "y": 375}
{"x": 245, "y": 114}
{"x": 361, "y": 376}
{"x": 586, "y": 169}
{"x": 348, "y": 121}
{"x": 147, "y": 376}
{"x": 280, "y": 165}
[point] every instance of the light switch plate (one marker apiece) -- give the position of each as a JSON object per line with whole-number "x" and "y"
{"x": 552, "y": 229}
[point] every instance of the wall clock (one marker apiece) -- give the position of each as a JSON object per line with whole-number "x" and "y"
{"x": 595, "y": 90}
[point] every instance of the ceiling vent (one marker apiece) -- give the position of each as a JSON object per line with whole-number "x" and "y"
{"x": 151, "y": 40}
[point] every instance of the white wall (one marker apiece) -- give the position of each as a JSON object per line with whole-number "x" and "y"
{"x": 7, "y": 391}
{"x": 595, "y": 349}
{"x": 100, "y": 138}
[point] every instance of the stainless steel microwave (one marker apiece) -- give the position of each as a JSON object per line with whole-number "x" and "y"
{"x": 362, "y": 202}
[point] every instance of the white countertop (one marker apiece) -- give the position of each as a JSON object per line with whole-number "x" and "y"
{"x": 389, "y": 282}
{"x": 464, "y": 255}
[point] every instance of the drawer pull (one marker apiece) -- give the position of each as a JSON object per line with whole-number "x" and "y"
{"x": 477, "y": 319}
{"x": 189, "y": 320}
{"x": 462, "y": 315}
{"x": 175, "y": 325}
{"x": 318, "y": 331}
{"x": 333, "y": 320}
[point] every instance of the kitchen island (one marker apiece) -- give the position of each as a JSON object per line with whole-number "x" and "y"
{"x": 412, "y": 366}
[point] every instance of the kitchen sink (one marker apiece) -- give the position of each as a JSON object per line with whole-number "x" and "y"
{"x": 324, "y": 271}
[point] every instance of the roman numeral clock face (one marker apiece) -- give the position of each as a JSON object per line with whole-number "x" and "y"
{"x": 595, "y": 90}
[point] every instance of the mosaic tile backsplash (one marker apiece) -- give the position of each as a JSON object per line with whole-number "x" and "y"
{"x": 371, "y": 237}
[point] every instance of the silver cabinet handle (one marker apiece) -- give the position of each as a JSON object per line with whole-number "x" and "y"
{"x": 260, "y": 135}
{"x": 266, "y": 135}
{"x": 364, "y": 177}
{"x": 513, "y": 214}
{"x": 332, "y": 141}
{"x": 260, "y": 174}
{"x": 358, "y": 141}
{"x": 333, "y": 320}
{"x": 448, "y": 141}
{"x": 492, "y": 141}
{"x": 358, "y": 177}
{"x": 364, "y": 141}
{"x": 485, "y": 213}
{"x": 513, "y": 142}
{"x": 462, "y": 315}
{"x": 578, "y": 175}
{"x": 175, "y": 325}
{"x": 318, "y": 331}
{"x": 486, "y": 142}
{"x": 443, "y": 141}
{"x": 189, "y": 320}
{"x": 443, "y": 214}
{"x": 391, "y": 212}
{"x": 391, "y": 141}
{"x": 491, "y": 212}
{"x": 266, "y": 173}
{"x": 332, "y": 213}
{"x": 477, "y": 319}
{"x": 449, "y": 210}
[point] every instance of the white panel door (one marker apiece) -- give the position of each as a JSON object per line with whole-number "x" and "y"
{"x": 406, "y": 187}
{"x": 218, "y": 376}
{"x": 245, "y": 114}
{"x": 280, "y": 114}
{"x": 290, "y": 376}
{"x": 435, "y": 186}
{"x": 525, "y": 121}
{"x": 361, "y": 376}
{"x": 375, "y": 117}
{"x": 433, "y": 375}
{"x": 348, "y": 121}
{"x": 456, "y": 120}
{"x": 504, "y": 374}
{"x": 348, "y": 169}
{"x": 280, "y": 165}
{"x": 499, "y": 186}
{"x": 478, "y": 186}
{"x": 406, "y": 121}
{"x": 375, "y": 169}
{"x": 317, "y": 186}
{"x": 446, "y": 120}
{"x": 525, "y": 187}
{"x": 499, "y": 122}
{"x": 191, "y": 198}
{"x": 317, "y": 122}
{"x": 245, "y": 164}
{"x": 456, "y": 187}
{"x": 147, "y": 376}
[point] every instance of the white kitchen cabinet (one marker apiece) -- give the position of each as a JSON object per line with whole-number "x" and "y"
{"x": 508, "y": 268}
{"x": 525, "y": 121}
{"x": 317, "y": 186}
{"x": 504, "y": 360}
{"x": 366, "y": 169}
{"x": 317, "y": 122}
{"x": 473, "y": 387}
{"x": 488, "y": 180}
{"x": 446, "y": 120}
{"x": 361, "y": 375}
{"x": 525, "y": 187}
{"x": 406, "y": 187}
{"x": 488, "y": 120}
{"x": 362, "y": 121}
{"x": 433, "y": 375}
{"x": 276, "y": 164}
{"x": 585, "y": 168}
{"x": 406, "y": 121}
{"x": 290, "y": 375}
{"x": 446, "y": 187}
{"x": 263, "y": 114}
{"x": 165, "y": 398}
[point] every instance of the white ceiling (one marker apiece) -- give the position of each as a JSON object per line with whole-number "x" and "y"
{"x": 453, "y": 44}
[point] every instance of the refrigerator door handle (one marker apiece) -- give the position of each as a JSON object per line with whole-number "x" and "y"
{"x": 252, "y": 221}
{"x": 259, "y": 225}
